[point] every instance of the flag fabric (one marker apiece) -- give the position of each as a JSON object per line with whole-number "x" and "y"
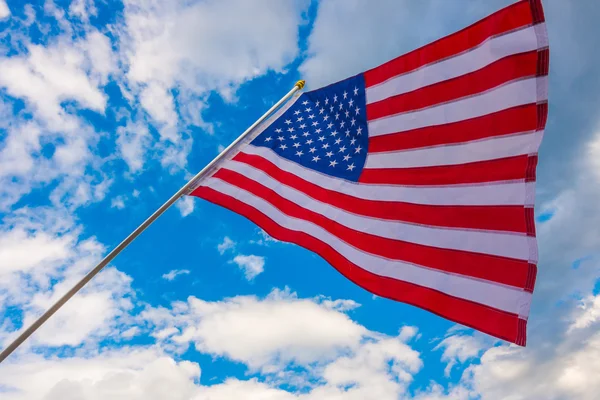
{"x": 415, "y": 179}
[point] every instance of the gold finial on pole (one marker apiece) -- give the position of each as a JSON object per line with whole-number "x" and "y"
{"x": 300, "y": 84}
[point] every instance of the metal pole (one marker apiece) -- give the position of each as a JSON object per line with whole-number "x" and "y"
{"x": 23, "y": 336}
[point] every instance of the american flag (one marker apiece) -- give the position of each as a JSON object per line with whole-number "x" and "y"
{"x": 415, "y": 179}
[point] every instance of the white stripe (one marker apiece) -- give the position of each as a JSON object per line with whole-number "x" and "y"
{"x": 500, "y": 297}
{"x": 524, "y": 91}
{"x": 481, "y": 150}
{"x": 492, "y": 243}
{"x": 492, "y": 50}
{"x": 513, "y": 193}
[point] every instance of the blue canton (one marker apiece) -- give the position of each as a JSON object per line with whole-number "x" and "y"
{"x": 325, "y": 130}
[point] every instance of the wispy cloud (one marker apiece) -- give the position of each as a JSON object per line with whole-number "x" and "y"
{"x": 171, "y": 275}
{"x": 225, "y": 245}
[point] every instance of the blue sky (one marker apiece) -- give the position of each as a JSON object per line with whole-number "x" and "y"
{"x": 107, "y": 107}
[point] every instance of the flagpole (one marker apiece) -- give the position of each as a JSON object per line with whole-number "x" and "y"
{"x": 56, "y": 306}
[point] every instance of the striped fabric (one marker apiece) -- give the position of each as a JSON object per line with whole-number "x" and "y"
{"x": 416, "y": 179}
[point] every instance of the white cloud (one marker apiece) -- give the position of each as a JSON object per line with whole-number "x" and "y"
{"x": 209, "y": 45}
{"x": 158, "y": 102}
{"x": 131, "y": 332}
{"x": 133, "y": 142}
{"x": 171, "y": 275}
{"x": 227, "y": 244}
{"x": 4, "y": 10}
{"x": 252, "y": 265}
{"x": 138, "y": 373}
{"x": 588, "y": 313}
{"x": 281, "y": 328}
{"x": 185, "y": 205}
{"x": 49, "y": 75}
{"x": 82, "y": 9}
{"x": 33, "y": 280}
{"x": 265, "y": 239}
{"x": 194, "y": 48}
{"x": 118, "y": 202}
{"x": 459, "y": 349}
{"x": 53, "y": 80}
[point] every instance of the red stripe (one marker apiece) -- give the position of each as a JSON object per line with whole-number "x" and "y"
{"x": 498, "y": 218}
{"x": 542, "y": 114}
{"x": 530, "y": 169}
{"x": 512, "y": 120}
{"x": 504, "y": 169}
{"x": 508, "y": 19}
{"x": 507, "y": 69}
{"x": 477, "y": 316}
{"x": 537, "y": 11}
{"x": 492, "y": 268}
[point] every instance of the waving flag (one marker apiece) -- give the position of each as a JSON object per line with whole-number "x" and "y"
{"x": 415, "y": 179}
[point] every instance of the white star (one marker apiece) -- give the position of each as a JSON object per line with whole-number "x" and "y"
{"x": 299, "y": 153}
{"x": 280, "y": 138}
{"x": 358, "y": 149}
{"x": 268, "y": 139}
{"x": 342, "y": 124}
{"x": 338, "y": 141}
{"x": 345, "y": 94}
{"x": 305, "y": 134}
{"x": 329, "y": 154}
{"x": 308, "y": 109}
{"x": 278, "y": 130}
{"x": 317, "y": 103}
{"x": 350, "y": 102}
{"x": 321, "y": 138}
{"x": 359, "y": 130}
{"x": 283, "y": 147}
{"x": 296, "y": 112}
{"x": 300, "y": 119}
{"x": 355, "y": 90}
{"x": 315, "y": 123}
{"x": 302, "y": 126}
{"x": 353, "y": 141}
{"x": 342, "y": 149}
{"x": 288, "y": 121}
{"x": 335, "y": 98}
{"x": 350, "y": 167}
{"x": 296, "y": 145}
{"x": 346, "y": 157}
{"x": 329, "y": 125}
{"x": 293, "y": 137}
{"x": 291, "y": 129}
{"x": 357, "y": 110}
{"x": 347, "y": 113}
{"x": 326, "y": 146}
{"x": 352, "y": 122}
{"x": 341, "y": 106}
{"x": 319, "y": 130}
{"x": 337, "y": 116}
{"x": 305, "y": 102}
{"x": 316, "y": 158}
{"x": 326, "y": 117}
{"x": 313, "y": 149}
{"x": 334, "y": 133}
{"x": 311, "y": 116}
{"x": 333, "y": 163}
{"x": 331, "y": 109}
{"x": 321, "y": 111}
{"x": 309, "y": 141}
{"x": 347, "y": 132}
{"x": 326, "y": 100}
